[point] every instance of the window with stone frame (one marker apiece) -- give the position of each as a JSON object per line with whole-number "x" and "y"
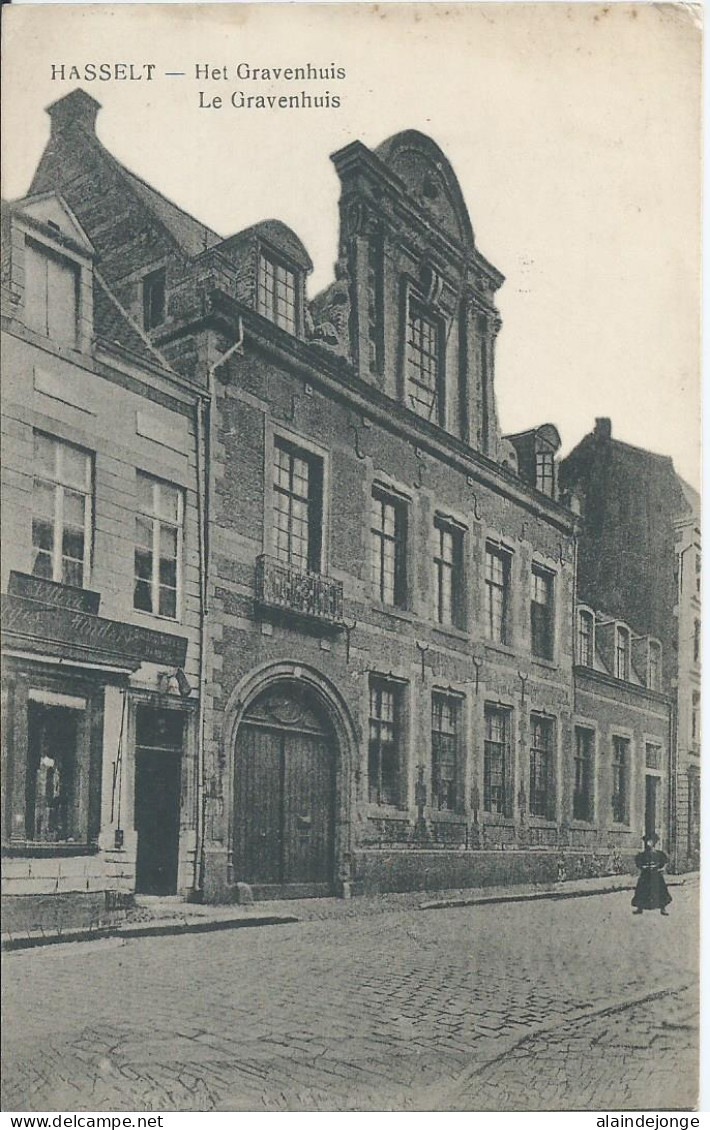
{"x": 654, "y": 665}
{"x": 496, "y": 760}
{"x": 448, "y": 570}
{"x": 445, "y": 751}
{"x": 277, "y": 292}
{"x": 620, "y": 770}
{"x": 388, "y": 548}
{"x": 51, "y": 294}
{"x": 375, "y": 302}
{"x": 583, "y": 789}
{"x": 541, "y": 778}
{"x": 545, "y": 472}
{"x": 622, "y": 658}
{"x": 61, "y": 511}
{"x": 297, "y": 507}
{"x": 697, "y": 638}
{"x": 423, "y": 363}
{"x": 541, "y": 612}
{"x": 585, "y": 638}
{"x": 385, "y": 742}
{"x": 653, "y": 755}
{"x": 695, "y": 719}
{"x": 154, "y": 299}
{"x": 497, "y": 584}
{"x": 158, "y": 548}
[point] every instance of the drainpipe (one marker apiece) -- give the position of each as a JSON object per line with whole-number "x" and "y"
{"x": 204, "y": 444}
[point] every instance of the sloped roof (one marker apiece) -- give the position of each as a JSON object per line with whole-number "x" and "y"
{"x": 114, "y": 326}
{"x": 193, "y": 236}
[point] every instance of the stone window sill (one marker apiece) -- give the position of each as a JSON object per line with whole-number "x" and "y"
{"x": 38, "y": 850}
{"x": 500, "y": 648}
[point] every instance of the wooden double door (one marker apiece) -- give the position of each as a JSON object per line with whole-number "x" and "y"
{"x": 284, "y": 796}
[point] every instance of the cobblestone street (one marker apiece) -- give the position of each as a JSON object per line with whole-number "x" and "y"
{"x": 540, "y": 1005}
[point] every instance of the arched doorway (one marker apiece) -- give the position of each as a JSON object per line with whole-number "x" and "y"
{"x": 284, "y": 790}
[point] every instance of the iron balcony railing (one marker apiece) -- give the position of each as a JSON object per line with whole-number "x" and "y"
{"x": 291, "y": 590}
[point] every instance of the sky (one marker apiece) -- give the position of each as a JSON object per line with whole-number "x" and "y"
{"x": 574, "y": 132}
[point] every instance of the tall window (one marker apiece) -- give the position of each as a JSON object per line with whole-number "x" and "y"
{"x": 375, "y": 289}
{"x": 698, "y": 573}
{"x": 158, "y": 547}
{"x": 620, "y": 780}
{"x": 585, "y": 639}
{"x": 695, "y": 719}
{"x": 51, "y": 295}
{"x": 448, "y": 566}
{"x": 545, "y": 472}
{"x": 497, "y": 594}
{"x": 622, "y": 654}
{"x": 154, "y": 299}
{"x": 61, "y": 511}
{"x": 298, "y": 507}
{"x": 541, "y": 612}
{"x": 385, "y": 742}
{"x": 388, "y": 538}
{"x": 423, "y": 363}
{"x": 276, "y": 293}
{"x": 697, "y": 636}
{"x": 582, "y": 797}
{"x": 54, "y": 801}
{"x": 445, "y": 740}
{"x": 541, "y": 766}
{"x": 654, "y": 665}
{"x": 496, "y": 759}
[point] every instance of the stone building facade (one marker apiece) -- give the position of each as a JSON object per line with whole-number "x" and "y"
{"x": 392, "y": 696}
{"x": 100, "y": 580}
{"x": 640, "y": 560}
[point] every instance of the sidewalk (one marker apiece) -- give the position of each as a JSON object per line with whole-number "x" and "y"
{"x": 159, "y": 917}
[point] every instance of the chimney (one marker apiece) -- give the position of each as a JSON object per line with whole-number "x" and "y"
{"x": 75, "y": 108}
{"x": 602, "y": 427}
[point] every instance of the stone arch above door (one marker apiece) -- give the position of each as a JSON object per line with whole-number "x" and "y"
{"x": 287, "y": 695}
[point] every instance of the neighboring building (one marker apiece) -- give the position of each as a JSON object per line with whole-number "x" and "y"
{"x": 392, "y": 697}
{"x": 639, "y": 560}
{"x": 100, "y": 587}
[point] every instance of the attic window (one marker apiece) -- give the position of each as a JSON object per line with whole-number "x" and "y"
{"x": 51, "y": 294}
{"x": 276, "y": 292}
{"x": 545, "y": 472}
{"x": 154, "y": 299}
{"x": 423, "y": 364}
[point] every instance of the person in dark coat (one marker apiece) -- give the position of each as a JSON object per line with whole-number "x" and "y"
{"x": 651, "y": 891}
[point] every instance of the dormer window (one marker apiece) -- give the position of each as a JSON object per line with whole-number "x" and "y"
{"x": 277, "y": 292}
{"x": 621, "y": 668}
{"x": 51, "y": 294}
{"x": 654, "y": 666}
{"x": 585, "y": 638}
{"x": 536, "y": 450}
{"x": 423, "y": 364}
{"x": 545, "y": 472}
{"x": 154, "y": 306}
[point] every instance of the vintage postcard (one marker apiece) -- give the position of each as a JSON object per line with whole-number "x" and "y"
{"x": 351, "y": 564}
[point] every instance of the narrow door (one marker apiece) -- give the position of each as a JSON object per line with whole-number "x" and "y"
{"x": 157, "y": 799}
{"x": 651, "y": 805}
{"x": 308, "y": 802}
{"x": 259, "y": 791}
